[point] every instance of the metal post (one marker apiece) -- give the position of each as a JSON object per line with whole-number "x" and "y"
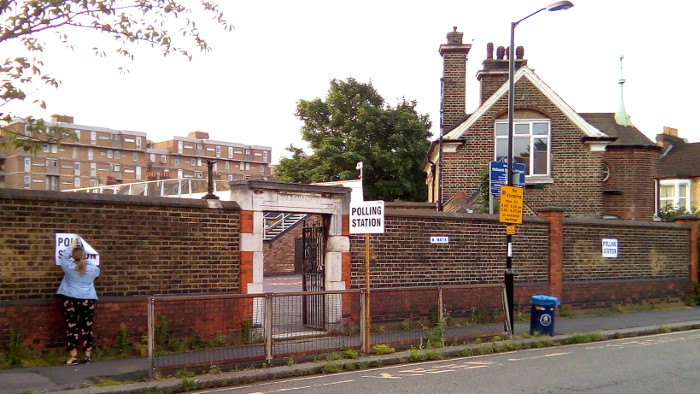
{"x": 363, "y": 328}
{"x": 268, "y": 327}
{"x": 151, "y": 336}
{"x": 440, "y": 305}
{"x": 210, "y": 182}
{"x": 509, "y": 274}
{"x": 368, "y": 317}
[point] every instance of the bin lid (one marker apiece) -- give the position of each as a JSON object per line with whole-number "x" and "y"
{"x": 545, "y": 300}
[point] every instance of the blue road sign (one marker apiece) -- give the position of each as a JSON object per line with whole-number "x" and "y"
{"x": 498, "y": 174}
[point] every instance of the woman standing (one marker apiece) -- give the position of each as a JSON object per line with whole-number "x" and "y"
{"x": 79, "y": 297}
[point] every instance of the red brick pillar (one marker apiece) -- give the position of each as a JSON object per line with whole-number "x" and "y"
{"x": 555, "y": 248}
{"x": 692, "y": 222}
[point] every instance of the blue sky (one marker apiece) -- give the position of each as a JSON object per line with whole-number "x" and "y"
{"x": 246, "y": 89}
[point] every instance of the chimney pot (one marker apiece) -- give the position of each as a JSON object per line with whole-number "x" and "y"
{"x": 519, "y": 52}
{"x": 489, "y": 50}
{"x": 500, "y": 52}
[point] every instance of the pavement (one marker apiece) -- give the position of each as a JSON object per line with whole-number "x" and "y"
{"x": 131, "y": 375}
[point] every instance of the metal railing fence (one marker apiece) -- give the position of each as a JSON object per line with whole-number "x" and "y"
{"x": 199, "y": 331}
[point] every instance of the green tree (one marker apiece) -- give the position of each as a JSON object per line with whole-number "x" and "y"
{"x": 353, "y": 124}
{"x": 165, "y": 24}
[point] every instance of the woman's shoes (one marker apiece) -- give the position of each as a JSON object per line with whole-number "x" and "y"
{"x": 72, "y": 361}
{"x": 86, "y": 360}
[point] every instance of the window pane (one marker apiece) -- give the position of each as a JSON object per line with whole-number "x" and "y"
{"x": 682, "y": 190}
{"x": 501, "y": 148}
{"x": 539, "y": 162}
{"x": 540, "y": 128}
{"x": 666, "y": 191}
{"x": 501, "y": 129}
{"x": 682, "y": 204}
{"x": 521, "y": 150}
{"x": 521, "y": 128}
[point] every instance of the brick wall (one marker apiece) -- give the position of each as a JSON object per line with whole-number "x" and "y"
{"x": 403, "y": 255}
{"x": 632, "y": 172}
{"x": 147, "y": 246}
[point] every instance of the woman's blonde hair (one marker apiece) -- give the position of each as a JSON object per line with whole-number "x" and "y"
{"x": 79, "y": 255}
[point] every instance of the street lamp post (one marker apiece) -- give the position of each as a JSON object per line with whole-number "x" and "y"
{"x": 508, "y": 279}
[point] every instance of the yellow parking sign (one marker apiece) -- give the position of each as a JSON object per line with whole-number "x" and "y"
{"x": 511, "y": 208}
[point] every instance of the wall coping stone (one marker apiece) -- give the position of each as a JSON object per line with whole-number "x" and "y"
{"x": 688, "y": 218}
{"x": 568, "y": 221}
{"x": 93, "y": 198}
{"x": 549, "y": 209}
{"x": 478, "y": 217}
{"x": 682, "y": 279}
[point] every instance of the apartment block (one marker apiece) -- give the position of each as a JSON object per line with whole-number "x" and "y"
{"x": 102, "y": 156}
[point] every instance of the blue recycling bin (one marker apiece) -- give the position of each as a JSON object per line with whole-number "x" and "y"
{"x": 542, "y": 314}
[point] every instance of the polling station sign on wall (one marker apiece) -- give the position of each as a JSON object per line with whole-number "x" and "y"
{"x": 367, "y": 217}
{"x": 63, "y": 241}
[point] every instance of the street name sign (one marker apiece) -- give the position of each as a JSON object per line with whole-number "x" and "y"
{"x": 498, "y": 174}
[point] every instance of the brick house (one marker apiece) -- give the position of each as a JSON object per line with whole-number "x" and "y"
{"x": 590, "y": 164}
{"x": 679, "y": 172}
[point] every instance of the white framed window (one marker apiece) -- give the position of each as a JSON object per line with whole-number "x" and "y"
{"x": 230, "y": 177}
{"x": 675, "y": 194}
{"x": 218, "y": 151}
{"x": 531, "y": 144}
{"x": 193, "y": 162}
{"x": 27, "y": 164}
{"x": 163, "y": 159}
{"x": 198, "y": 174}
{"x": 76, "y": 169}
{"x": 52, "y": 182}
{"x": 179, "y": 173}
{"x": 76, "y": 181}
{"x": 199, "y": 162}
{"x": 247, "y": 151}
{"x": 176, "y": 160}
{"x": 214, "y": 167}
{"x": 93, "y": 138}
{"x": 152, "y": 158}
{"x": 117, "y": 154}
{"x": 90, "y": 154}
{"x": 262, "y": 169}
{"x": 51, "y": 162}
{"x": 45, "y": 148}
{"x": 93, "y": 169}
{"x": 93, "y": 182}
{"x": 27, "y": 182}
{"x": 74, "y": 152}
{"x": 54, "y": 148}
{"x": 116, "y": 167}
{"x": 247, "y": 166}
{"x": 77, "y": 134}
{"x": 135, "y": 156}
{"x": 110, "y": 153}
{"x": 138, "y": 142}
{"x": 179, "y": 147}
{"x": 230, "y": 152}
{"x": 227, "y": 165}
{"x": 265, "y": 156}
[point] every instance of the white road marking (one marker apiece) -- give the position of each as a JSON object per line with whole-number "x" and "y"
{"x": 542, "y": 356}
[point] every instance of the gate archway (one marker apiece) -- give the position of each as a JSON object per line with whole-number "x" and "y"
{"x": 332, "y": 202}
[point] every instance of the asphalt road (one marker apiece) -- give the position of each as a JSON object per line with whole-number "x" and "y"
{"x": 665, "y": 363}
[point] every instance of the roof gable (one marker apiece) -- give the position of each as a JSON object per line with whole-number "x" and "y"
{"x": 525, "y": 72}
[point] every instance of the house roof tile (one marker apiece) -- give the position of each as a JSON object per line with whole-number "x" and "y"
{"x": 626, "y": 135}
{"x": 681, "y": 161}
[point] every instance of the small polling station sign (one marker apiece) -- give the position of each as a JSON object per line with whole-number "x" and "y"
{"x": 367, "y": 217}
{"x": 63, "y": 241}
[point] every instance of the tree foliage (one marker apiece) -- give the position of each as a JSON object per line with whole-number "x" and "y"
{"x": 353, "y": 124}
{"x": 165, "y": 24}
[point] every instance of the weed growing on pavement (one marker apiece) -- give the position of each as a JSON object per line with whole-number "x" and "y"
{"x": 664, "y": 330}
{"x": 350, "y": 366}
{"x": 123, "y": 344}
{"x": 214, "y": 370}
{"x": 416, "y": 355}
{"x": 15, "y": 349}
{"x": 188, "y": 384}
{"x": 351, "y": 353}
{"x": 331, "y": 367}
{"x": 334, "y": 357}
{"x": 290, "y": 361}
{"x": 564, "y": 311}
{"x": 383, "y": 349}
{"x": 585, "y": 337}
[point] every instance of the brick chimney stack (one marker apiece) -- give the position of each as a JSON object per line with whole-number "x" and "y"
{"x": 495, "y": 71}
{"x": 454, "y": 69}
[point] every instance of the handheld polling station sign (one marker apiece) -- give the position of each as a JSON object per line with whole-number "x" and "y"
{"x": 63, "y": 241}
{"x": 367, "y": 217}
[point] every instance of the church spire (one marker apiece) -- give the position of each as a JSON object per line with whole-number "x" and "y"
{"x": 621, "y": 116}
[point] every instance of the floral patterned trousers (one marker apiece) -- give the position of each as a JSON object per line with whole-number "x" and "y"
{"x": 79, "y": 315}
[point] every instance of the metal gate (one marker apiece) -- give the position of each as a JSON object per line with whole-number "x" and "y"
{"x": 313, "y": 278}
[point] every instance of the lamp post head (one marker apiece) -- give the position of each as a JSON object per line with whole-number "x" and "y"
{"x": 560, "y": 5}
